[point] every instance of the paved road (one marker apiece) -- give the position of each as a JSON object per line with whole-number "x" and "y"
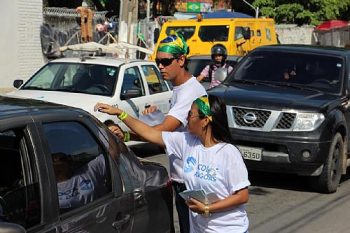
{"x": 282, "y": 203}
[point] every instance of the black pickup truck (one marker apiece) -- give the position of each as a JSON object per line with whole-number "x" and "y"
{"x": 288, "y": 111}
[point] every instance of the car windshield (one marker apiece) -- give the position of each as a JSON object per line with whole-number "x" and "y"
{"x": 74, "y": 77}
{"x": 318, "y": 71}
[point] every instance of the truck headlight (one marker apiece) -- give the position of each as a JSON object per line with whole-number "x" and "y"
{"x": 308, "y": 121}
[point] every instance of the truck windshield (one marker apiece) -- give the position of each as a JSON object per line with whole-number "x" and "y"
{"x": 187, "y": 32}
{"x": 73, "y": 77}
{"x": 318, "y": 71}
{"x": 214, "y": 33}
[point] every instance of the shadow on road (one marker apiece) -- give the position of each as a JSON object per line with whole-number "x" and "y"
{"x": 279, "y": 181}
{"x": 293, "y": 182}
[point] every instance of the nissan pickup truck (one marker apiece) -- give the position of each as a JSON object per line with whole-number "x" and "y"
{"x": 288, "y": 111}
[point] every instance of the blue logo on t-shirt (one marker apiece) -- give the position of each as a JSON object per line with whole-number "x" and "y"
{"x": 189, "y": 164}
{"x": 85, "y": 184}
{"x": 206, "y": 172}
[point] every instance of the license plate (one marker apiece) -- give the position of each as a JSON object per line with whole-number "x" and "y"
{"x": 250, "y": 153}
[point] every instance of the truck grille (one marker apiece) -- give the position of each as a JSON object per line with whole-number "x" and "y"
{"x": 261, "y": 119}
{"x": 286, "y": 120}
{"x": 240, "y": 117}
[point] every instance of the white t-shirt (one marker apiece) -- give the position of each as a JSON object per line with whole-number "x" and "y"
{"x": 219, "y": 169}
{"x": 180, "y": 103}
{"x": 182, "y": 99}
{"x": 84, "y": 186}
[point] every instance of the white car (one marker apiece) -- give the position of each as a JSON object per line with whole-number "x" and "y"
{"x": 82, "y": 82}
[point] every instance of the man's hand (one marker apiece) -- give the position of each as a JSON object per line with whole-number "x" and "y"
{"x": 149, "y": 109}
{"x": 105, "y": 108}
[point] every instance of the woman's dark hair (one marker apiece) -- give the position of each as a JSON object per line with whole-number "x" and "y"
{"x": 109, "y": 122}
{"x": 219, "y": 122}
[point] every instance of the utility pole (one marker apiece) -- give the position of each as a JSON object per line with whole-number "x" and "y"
{"x": 256, "y": 10}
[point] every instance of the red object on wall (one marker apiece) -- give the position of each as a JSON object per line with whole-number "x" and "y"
{"x": 331, "y": 24}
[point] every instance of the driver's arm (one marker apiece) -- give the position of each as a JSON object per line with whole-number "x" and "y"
{"x": 200, "y": 77}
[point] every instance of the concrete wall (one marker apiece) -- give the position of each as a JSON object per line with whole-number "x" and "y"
{"x": 293, "y": 34}
{"x": 20, "y": 48}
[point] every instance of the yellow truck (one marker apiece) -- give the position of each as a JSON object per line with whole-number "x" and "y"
{"x": 239, "y": 35}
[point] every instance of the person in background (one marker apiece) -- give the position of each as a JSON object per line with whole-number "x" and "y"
{"x": 172, "y": 63}
{"x": 218, "y": 56}
{"x": 116, "y": 130}
{"x": 211, "y": 163}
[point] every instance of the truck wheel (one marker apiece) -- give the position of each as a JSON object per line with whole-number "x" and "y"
{"x": 329, "y": 179}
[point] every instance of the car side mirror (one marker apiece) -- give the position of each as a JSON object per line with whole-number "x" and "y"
{"x": 220, "y": 74}
{"x": 11, "y": 228}
{"x": 17, "y": 83}
{"x": 246, "y": 33}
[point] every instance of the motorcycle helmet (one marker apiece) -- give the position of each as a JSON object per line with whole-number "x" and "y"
{"x": 219, "y": 49}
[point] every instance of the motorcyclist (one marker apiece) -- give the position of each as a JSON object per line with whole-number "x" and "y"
{"x": 218, "y": 56}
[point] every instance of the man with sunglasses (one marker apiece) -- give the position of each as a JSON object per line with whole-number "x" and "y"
{"x": 172, "y": 63}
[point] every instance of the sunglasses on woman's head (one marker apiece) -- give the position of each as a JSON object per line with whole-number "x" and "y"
{"x": 165, "y": 61}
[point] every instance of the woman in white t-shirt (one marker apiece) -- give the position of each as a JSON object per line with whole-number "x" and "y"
{"x": 211, "y": 163}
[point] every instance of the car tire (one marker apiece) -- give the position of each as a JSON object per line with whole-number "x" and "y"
{"x": 329, "y": 179}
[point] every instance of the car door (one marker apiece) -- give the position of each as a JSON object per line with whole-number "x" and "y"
{"x": 89, "y": 192}
{"x": 24, "y": 193}
{"x": 134, "y": 91}
{"x": 158, "y": 89}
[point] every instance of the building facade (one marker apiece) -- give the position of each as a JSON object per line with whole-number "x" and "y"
{"x": 21, "y": 53}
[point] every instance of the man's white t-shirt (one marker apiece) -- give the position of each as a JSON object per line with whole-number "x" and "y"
{"x": 180, "y": 104}
{"x": 219, "y": 169}
{"x": 84, "y": 186}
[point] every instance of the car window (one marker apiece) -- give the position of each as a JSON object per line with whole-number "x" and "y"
{"x": 79, "y": 163}
{"x": 268, "y": 34}
{"x": 132, "y": 84}
{"x": 155, "y": 82}
{"x": 214, "y": 33}
{"x": 75, "y": 77}
{"x": 195, "y": 66}
{"x": 186, "y": 31}
{"x": 19, "y": 187}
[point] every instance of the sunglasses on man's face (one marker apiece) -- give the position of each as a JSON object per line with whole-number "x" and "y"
{"x": 165, "y": 61}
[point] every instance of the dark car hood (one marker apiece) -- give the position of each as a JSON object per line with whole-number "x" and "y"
{"x": 274, "y": 97}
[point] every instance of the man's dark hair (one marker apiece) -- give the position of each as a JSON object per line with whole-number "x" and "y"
{"x": 177, "y": 56}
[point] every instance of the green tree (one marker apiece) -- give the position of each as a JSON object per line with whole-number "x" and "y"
{"x": 303, "y": 11}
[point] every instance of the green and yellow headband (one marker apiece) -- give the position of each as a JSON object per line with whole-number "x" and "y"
{"x": 173, "y": 44}
{"x": 204, "y": 107}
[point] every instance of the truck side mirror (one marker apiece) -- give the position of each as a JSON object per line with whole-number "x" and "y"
{"x": 220, "y": 74}
{"x": 11, "y": 228}
{"x": 246, "y": 33}
{"x": 155, "y": 35}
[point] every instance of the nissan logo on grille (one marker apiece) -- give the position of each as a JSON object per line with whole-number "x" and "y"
{"x": 249, "y": 118}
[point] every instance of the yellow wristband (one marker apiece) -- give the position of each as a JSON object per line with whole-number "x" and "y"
{"x": 126, "y": 136}
{"x": 122, "y": 116}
